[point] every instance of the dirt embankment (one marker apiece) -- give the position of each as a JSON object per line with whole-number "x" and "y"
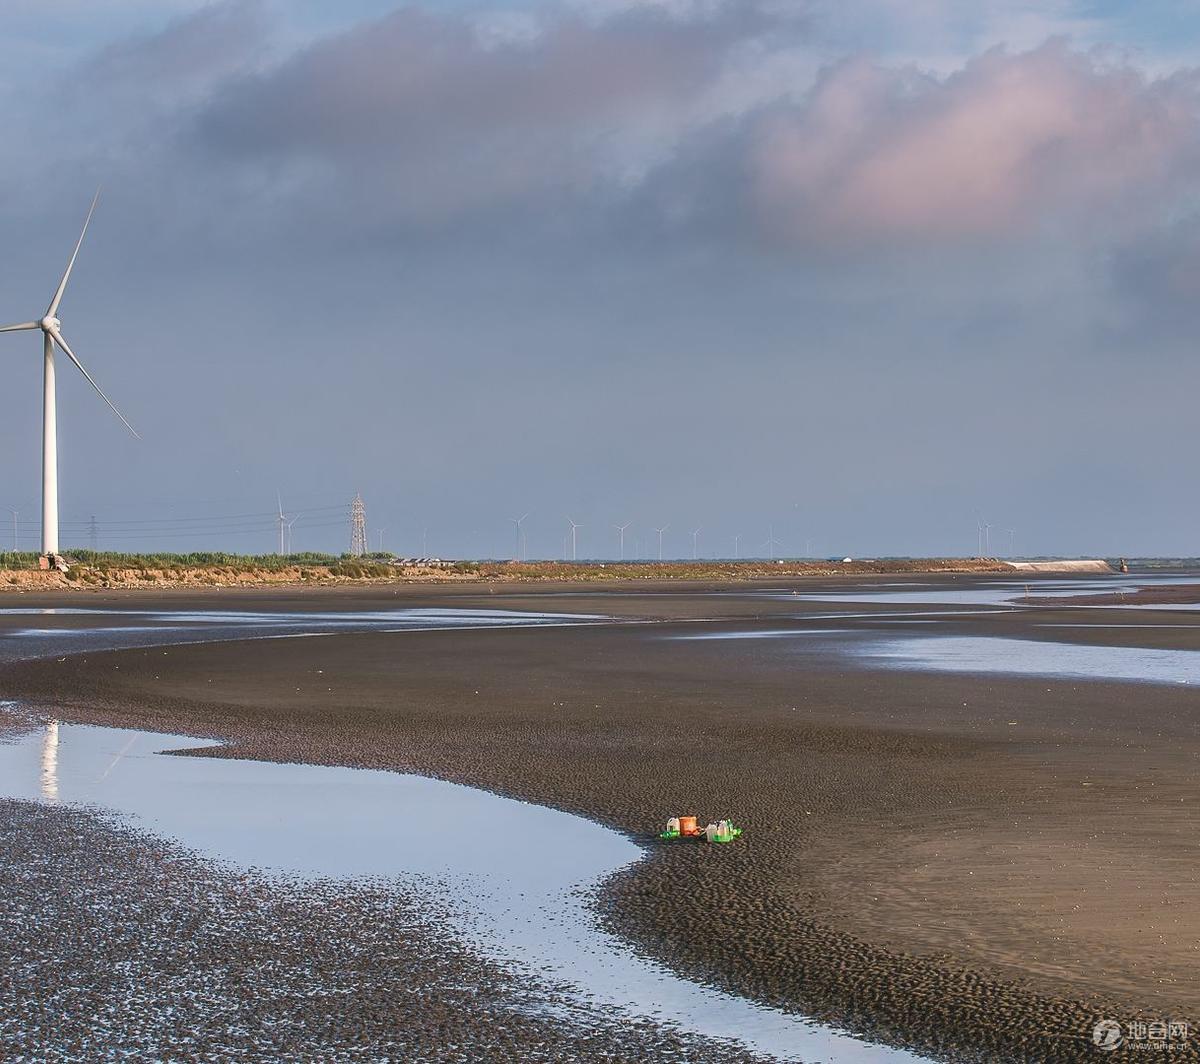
{"x": 92, "y": 578}
{"x": 87, "y": 578}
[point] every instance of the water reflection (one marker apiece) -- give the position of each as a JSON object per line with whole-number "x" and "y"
{"x": 1035, "y": 657}
{"x": 49, "y": 776}
{"x": 519, "y": 875}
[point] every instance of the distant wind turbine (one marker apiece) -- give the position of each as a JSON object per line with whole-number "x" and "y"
{"x": 695, "y": 537}
{"x": 518, "y": 521}
{"x": 621, "y": 533}
{"x": 737, "y": 541}
{"x": 574, "y": 528}
{"x": 281, "y": 519}
{"x": 14, "y": 513}
{"x": 660, "y": 532}
{"x": 52, "y": 335}
{"x": 772, "y": 542}
{"x": 291, "y": 521}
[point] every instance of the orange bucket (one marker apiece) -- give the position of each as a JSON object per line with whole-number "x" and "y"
{"x": 688, "y": 826}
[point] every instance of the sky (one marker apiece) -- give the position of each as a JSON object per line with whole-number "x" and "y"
{"x": 859, "y": 275}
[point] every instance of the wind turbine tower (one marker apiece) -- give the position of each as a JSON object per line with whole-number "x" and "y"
{"x": 519, "y": 521}
{"x": 771, "y": 543}
{"x": 574, "y": 528}
{"x": 621, "y": 533}
{"x": 660, "y": 532}
{"x": 291, "y": 521}
{"x": 52, "y": 337}
{"x": 281, "y": 519}
{"x": 695, "y": 538}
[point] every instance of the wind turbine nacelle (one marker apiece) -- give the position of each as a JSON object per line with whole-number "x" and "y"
{"x": 50, "y": 324}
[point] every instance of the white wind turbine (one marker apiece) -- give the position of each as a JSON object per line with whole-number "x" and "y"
{"x": 51, "y": 335}
{"x": 519, "y": 521}
{"x": 660, "y": 532}
{"x": 621, "y": 532}
{"x": 695, "y": 538}
{"x": 291, "y": 521}
{"x": 574, "y": 528}
{"x": 281, "y": 519}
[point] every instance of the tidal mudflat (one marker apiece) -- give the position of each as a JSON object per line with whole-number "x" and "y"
{"x": 933, "y": 860}
{"x": 516, "y": 876}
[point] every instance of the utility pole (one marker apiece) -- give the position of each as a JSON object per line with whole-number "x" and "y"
{"x": 358, "y": 527}
{"x": 14, "y": 513}
{"x": 381, "y": 531}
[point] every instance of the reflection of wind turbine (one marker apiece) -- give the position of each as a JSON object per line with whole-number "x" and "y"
{"x": 52, "y": 335}
{"x": 695, "y": 536}
{"x": 660, "y": 532}
{"x": 621, "y": 532}
{"x": 518, "y": 521}
{"x": 574, "y": 528}
{"x": 50, "y": 762}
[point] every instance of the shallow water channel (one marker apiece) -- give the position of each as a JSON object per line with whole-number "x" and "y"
{"x": 516, "y": 877}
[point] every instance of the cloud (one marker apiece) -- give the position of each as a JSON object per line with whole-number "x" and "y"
{"x": 1008, "y": 141}
{"x": 449, "y": 114}
{"x": 690, "y": 120}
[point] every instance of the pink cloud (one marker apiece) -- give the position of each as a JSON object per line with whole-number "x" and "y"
{"x": 1003, "y": 142}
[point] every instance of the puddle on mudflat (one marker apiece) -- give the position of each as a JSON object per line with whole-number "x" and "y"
{"x": 127, "y": 629}
{"x": 1033, "y": 657}
{"x": 762, "y": 633}
{"x": 515, "y": 875}
{"x": 1001, "y": 593}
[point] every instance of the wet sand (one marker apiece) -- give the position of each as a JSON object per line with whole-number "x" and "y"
{"x": 979, "y": 866}
{"x": 119, "y": 946}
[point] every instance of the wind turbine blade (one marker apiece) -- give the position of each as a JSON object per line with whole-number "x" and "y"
{"x": 18, "y": 328}
{"x": 62, "y": 285}
{"x": 58, "y": 339}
